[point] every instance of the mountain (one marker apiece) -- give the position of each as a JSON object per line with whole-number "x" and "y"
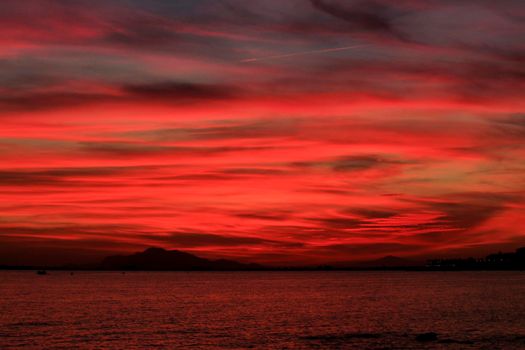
{"x": 158, "y": 259}
{"x": 392, "y": 261}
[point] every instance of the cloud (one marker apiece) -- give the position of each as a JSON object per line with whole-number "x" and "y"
{"x": 467, "y": 215}
{"x": 69, "y": 231}
{"x": 366, "y": 16}
{"x": 339, "y": 222}
{"x": 411, "y": 142}
{"x": 167, "y": 93}
{"x": 372, "y": 213}
{"x": 511, "y": 127}
{"x": 142, "y": 31}
{"x": 199, "y": 239}
{"x": 269, "y": 215}
{"x": 350, "y": 163}
{"x": 128, "y": 149}
{"x": 57, "y": 176}
{"x": 181, "y": 91}
{"x": 253, "y": 171}
{"x": 227, "y": 130}
{"x": 45, "y": 101}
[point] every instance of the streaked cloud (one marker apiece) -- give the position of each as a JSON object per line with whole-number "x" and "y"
{"x": 280, "y": 132}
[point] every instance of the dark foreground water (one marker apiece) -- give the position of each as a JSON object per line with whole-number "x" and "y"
{"x": 262, "y": 310}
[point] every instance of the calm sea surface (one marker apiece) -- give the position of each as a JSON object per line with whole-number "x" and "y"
{"x": 262, "y": 310}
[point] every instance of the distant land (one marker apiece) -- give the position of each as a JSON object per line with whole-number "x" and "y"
{"x": 497, "y": 261}
{"x": 159, "y": 259}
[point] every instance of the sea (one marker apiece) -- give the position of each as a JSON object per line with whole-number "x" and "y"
{"x": 262, "y": 310}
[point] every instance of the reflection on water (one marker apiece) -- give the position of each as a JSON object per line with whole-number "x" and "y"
{"x": 263, "y": 310}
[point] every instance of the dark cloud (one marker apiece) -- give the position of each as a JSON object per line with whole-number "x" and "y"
{"x": 198, "y": 239}
{"x": 464, "y": 212}
{"x": 128, "y": 149}
{"x": 160, "y": 27}
{"x": 474, "y": 72}
{"x": 181, "y": 91}
{"x": 170, "y": 29}
{"x": 143, "y": 31}
{"x": 221, "y": 175}
{"x": 227, "y": 130}
{"x": 489, "y": 82}
{"x": 355, "y": 163}
{"x": 365, "y": 16}
{"x": 454, "y": 221}
{"x": 34, "y": 101}
{"x": 60, "y": 176}
{"x": 509, "y": 127}
{"x": 350, "y": 163}
{"x": 263, "y": 215}
{"x": 253, "y": 171}
{"x": 475, "y": 79}
{"x": 370, "y": 213}
{"x": 66, "y": 230}
{"x": 28, "y": 73}
{"x": 189, "y": 240}
{"x": 467, "y": 215}
{"x": 68, "y": 177}
{"x": 196, "y": 177}
{"x": 169, "y": 93}
{"x": 338, "y": 222}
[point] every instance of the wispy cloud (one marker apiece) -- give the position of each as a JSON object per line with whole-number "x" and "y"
{"x": 273, "y": 131}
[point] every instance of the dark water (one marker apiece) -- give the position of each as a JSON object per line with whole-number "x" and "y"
{"x": 262, "y": 310}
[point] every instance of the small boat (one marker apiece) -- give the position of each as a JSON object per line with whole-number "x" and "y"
{"x": 41, "y": 272}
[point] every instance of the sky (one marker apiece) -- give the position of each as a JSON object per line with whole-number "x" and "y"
{"x": 279, "y": 132}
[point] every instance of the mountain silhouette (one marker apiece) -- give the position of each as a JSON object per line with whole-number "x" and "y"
{"x": 158, "y": 259}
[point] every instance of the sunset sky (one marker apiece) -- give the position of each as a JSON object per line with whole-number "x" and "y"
{"x": 278, "y": 132}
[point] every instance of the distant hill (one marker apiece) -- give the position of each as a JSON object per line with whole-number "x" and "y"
{"x": 393, "y": 261}
{"x": 158, "y": 259}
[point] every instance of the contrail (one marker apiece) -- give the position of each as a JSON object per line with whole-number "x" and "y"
{"x": 248, "y": 60}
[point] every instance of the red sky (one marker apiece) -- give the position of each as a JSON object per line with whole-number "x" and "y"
{"x": 281, "y": 132}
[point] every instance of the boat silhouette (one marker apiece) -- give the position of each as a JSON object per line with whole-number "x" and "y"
{"x": 41, "y": 272}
